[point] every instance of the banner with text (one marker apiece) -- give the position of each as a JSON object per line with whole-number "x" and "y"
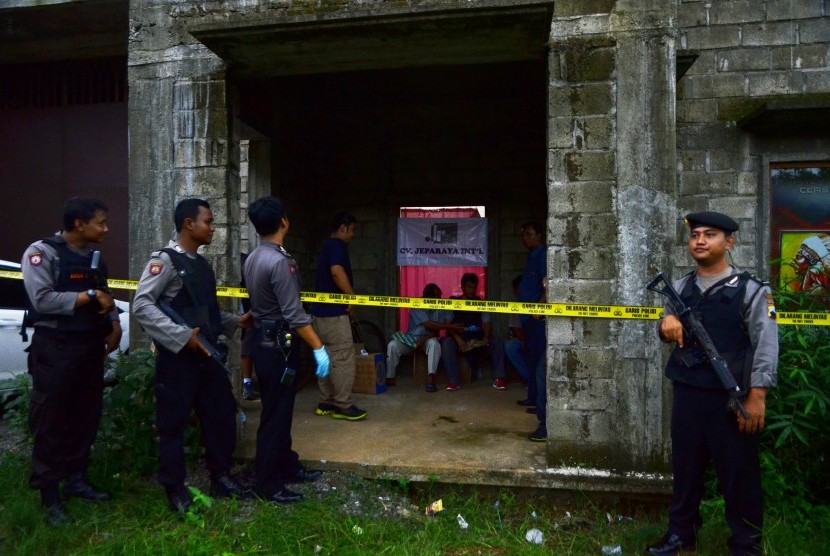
{"x": 442, "y": 242}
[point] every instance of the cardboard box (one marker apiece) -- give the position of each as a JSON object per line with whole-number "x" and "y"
{"x": 369, "y": 372}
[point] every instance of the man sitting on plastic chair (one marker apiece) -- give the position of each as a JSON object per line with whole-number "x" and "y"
{"x": 424, "y": 327}
{"x": 472, "y": 340}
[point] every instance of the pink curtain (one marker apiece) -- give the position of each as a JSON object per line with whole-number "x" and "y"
{"x": 448, "y": 278}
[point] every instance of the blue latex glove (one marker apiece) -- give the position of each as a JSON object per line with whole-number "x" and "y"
{"x": 322, "y": 358}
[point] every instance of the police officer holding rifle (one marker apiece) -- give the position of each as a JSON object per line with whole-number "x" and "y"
{"x": 176, "y": 305}
{"x": 719, "y": 396}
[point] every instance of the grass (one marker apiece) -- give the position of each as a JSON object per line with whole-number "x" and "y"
{"x": 346, "y": 515}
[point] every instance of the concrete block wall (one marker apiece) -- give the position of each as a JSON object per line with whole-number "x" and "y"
{"x": 180, "y": 137}
{"x": 750, "y": 52}
{"x": 611, "y": 178}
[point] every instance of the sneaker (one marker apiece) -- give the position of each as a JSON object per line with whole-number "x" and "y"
{"x": 352, "y": 413}
{"x": 540, "y": 434}
{"x": 248, "y": 391}
{"x": 431, "y": 387}
{"x": 499, "y": 384}
{"x": 452, "y": 387}
{"x": 324, "y": 409}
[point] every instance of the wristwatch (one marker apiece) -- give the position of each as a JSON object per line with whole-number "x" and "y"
{"x": 92, "y": 293}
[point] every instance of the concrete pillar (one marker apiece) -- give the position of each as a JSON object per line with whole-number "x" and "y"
{"x": 610, "y": 228}
{"x": 180, "y": 140}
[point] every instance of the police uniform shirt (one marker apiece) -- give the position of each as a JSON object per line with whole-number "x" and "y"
{"x": 160, "y": 282}
{"x": 41, "y": 269}
{"x": 761, "y": 327}
{"x": 273, "y": 279}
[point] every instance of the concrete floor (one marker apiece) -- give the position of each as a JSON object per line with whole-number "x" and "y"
{"x": 476, "y": 435}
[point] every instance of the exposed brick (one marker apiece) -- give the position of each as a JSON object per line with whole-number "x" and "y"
{"x": 581, "y": 100}
{"x": 569, "y": 8}
{"x": 812, "y": 31}
{"x": 704, "y": 38}
{"x": 745, "y": 59}
{"x": 815, "y": 82}
{"x": 793, "y": 9}
{"x": 691, "y": 14}
{"x": 590, "y": 166}
{"x": 598, "y": 133}
{"x": 800, "y": 57}
{"x": 707, "y": 183}
{"x": 778, "y": 83}
{"x": 596, "y": 64}
{"x": 768, "y": 34}
{"x": 691, "y": 160}
{"x": 561, "y": 132}
{"x": 697, "y": 110}
{"x": 736, "y": 11}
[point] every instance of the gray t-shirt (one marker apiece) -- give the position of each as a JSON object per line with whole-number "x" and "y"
{"x": 417, "y": 318}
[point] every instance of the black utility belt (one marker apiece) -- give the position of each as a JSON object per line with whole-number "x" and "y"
{"x": 275, "y": 333}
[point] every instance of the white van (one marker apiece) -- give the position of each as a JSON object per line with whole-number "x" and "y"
{"x": 12, "y": 307}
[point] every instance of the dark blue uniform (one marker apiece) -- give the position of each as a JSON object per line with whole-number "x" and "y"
{"x": 186, "y": 381}
{"x": 66, "y": 359}
{"x": 272, "y": 276}
{"x": 736, "y": 314}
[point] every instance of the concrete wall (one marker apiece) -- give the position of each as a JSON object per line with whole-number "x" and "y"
{"x": 750, "y": 54}
{"x": 629, "y": 151}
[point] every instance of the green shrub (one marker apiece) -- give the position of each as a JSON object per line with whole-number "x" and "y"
{"x": 796, "y": 439}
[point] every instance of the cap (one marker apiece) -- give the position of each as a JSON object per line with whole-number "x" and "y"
{"x": 711, "y": 219}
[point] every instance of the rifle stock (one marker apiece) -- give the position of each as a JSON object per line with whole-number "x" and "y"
{"x": 692, "y": 327}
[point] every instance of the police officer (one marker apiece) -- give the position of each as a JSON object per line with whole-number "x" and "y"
{"x": 76, "y": 324}
{"x": 273, "y": 280}
{"x": 187, "y": 378}
{"x": 738, "y": 313}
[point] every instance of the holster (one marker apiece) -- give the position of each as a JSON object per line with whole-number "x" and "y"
{"x": 275, "y": 333}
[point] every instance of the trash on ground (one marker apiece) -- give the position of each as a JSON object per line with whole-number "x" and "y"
{"x": 462, "y": 522}
{"x": 535, "y": 536}
{"x": 612, "y": 550}
{"x": 435, "y": 507}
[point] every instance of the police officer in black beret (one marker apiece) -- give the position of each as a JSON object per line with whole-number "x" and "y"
{"x": 76, "y": 325}
{"x": 738, "y": 313}
{"x": 187, "y": 378}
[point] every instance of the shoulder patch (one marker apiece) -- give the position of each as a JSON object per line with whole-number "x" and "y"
{"x": 770, "y": 305}
{"x": 156, "y": 268}
{"x": 35, "y": 258}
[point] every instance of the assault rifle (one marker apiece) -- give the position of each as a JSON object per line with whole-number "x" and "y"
{"x": 215, "y": 354}
{"x": 693, "y": 328}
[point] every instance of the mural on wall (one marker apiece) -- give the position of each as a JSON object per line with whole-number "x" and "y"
{"x": 800, "y": 222}
{"x": 805, "y": 262}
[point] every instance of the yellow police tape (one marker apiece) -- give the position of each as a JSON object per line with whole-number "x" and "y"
{"x": 509, "y": 307}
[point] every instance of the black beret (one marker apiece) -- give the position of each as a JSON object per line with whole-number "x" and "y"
{"x": 712, "y": 220}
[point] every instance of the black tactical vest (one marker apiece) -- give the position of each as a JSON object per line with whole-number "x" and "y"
{"x": 75, "y": 275}
{"x": 720, "y": 313}
{"x": 196, "y": 302}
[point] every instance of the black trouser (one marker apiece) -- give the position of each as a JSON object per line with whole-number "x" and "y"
{"x": 185, "y": 382}
{"x": 67, "y": 371}
{"x": 704, "y": 431}
{"x": 276, "y": 462}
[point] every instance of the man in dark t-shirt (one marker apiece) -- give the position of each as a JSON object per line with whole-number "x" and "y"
{"x": 331, "y": 322}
